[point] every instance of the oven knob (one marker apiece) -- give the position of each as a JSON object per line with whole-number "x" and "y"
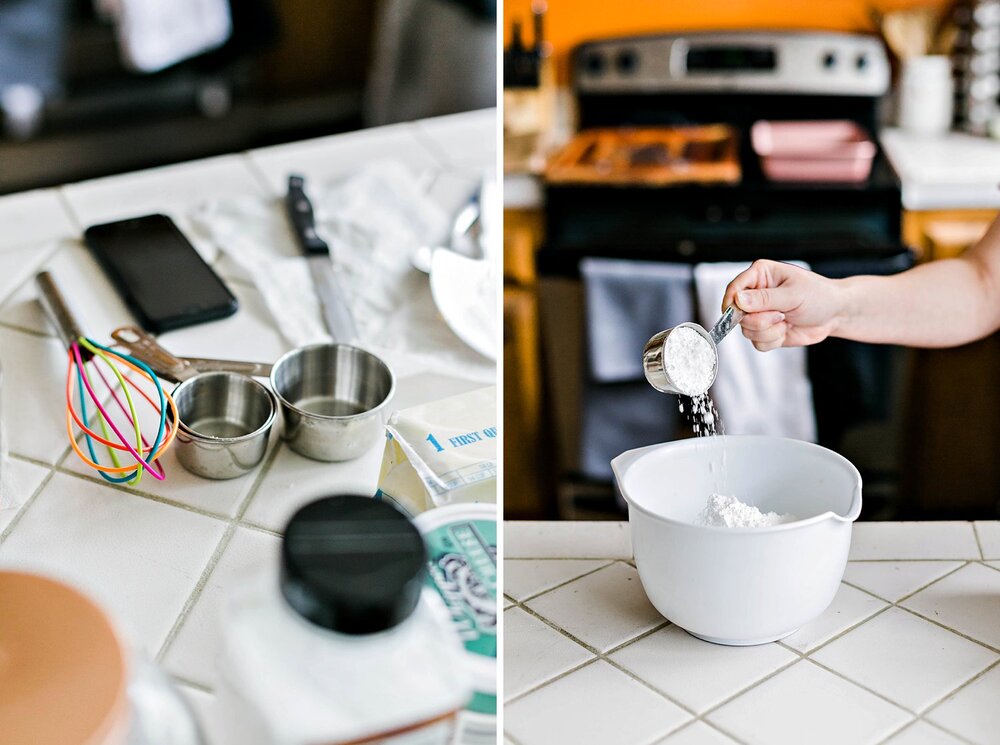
{"x": 685, "y": 247}
{"x": 627, "y": 62}
{"x": 829, "y": 60}
{"x": 861, "y": 62}
{"x": 741, "y": 213}
{"x": 713, "y": 213}
{"x": 594, "y": 63}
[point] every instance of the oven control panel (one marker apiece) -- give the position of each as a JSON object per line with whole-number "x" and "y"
{"x": 737, "y": 62}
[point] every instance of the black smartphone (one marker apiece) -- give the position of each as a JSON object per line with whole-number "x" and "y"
{"x": 160, "y": 275}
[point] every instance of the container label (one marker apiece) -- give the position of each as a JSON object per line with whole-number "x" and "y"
{"x": 463, "y": 569}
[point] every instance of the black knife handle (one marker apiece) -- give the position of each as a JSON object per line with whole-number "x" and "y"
{"x": 300, "y": 214}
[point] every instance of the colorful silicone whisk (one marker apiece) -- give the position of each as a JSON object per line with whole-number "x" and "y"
{"x": 89, "y": 362}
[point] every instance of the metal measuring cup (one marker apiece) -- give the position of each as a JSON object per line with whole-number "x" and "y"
{"x": 333, "y": 400}
{"x": 653, "y": 355}
{"x": 333, "y": 397}
{"x": 225, "y": 416}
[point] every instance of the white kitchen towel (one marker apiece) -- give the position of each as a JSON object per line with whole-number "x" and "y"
{"x": 756, "y": 393}
{"x": 153, "y": 34}
{"x": 373, "y": 220}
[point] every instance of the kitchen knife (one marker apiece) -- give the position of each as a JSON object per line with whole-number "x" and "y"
{"x": 336, "y": 314}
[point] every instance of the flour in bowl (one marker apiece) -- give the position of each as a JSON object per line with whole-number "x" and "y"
{"x": 689, "y": 360}
{"x": 729, "y": 512}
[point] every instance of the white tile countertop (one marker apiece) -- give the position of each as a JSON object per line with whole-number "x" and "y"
{"x": 161, "y": 557}
{"x": 907, "y": 653}
{"x": 951, "y": 171}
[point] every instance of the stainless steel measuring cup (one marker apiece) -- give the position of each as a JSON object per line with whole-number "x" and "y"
{"x": 653, "y": 355}
{"x": 225, "y": 422}
{"x": 333, "y": 399}
{"x": 332, "y": 396}
{"x": 225, "y": 415}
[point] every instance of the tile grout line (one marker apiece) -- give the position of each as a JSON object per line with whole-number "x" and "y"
{"x": 24, "y": 329}
{"x": 956, "y": 632}
{"x": 19, "y": 515}
{"x": 710, "y": 725}
{"x": 929, "y": 709}
{"x": 32, "y": 461}
{"x": 143, "y": 495}
{"x": 989, "y": 566}
{"x": 191, "y": 684}
{"x": 57, "y": 245}
{"x": 513, "y": 740}
{"x": 840, "y": 634}
{"x": 258, "y": 174}
{"x": 265, "y": 469}
{"x": 67, "y": 206}
{"x": 862, "y": 686}
{"x": 979, "y": 543}
{"x": 195, "y": 593}
{"x": 427, "y": 142}
{"x": 897, "y": 731}
{"x": 260, "y": 529}
{"x": 924, "y": 587}
{"x": 553, "y": 679}
{"x": 918, "y": 715}
{"x": 213, "y": 561}
{"x": 929, "y": 723}
{"x": 746, "y": 689}
{"x": 598, "y": 655}
{"x": 539, "y": 593}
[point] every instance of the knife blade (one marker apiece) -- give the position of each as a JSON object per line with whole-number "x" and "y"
{"x": 336, "y": 313}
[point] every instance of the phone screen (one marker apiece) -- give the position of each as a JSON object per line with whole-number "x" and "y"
{"x": 159, "y": 273}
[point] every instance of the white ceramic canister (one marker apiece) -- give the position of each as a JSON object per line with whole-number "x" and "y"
{"x": 462, "y": 559}
{"x": 926, "y": 95}
{"x": 66, "y": 677}
{"x": 347, "y": 645}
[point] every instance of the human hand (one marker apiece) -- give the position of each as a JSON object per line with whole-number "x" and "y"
{"x": 785, "y": 305}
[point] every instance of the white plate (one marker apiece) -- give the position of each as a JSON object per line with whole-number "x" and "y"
{"x": 464, "y": 291}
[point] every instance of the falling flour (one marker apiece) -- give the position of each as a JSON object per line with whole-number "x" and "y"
{"x": 729, "y": 512}
{"x": 689, "y": 360}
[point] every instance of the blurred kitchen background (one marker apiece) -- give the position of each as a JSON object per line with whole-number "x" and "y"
{"x": 648, "y": 143}
{"x": 95, "y": 87}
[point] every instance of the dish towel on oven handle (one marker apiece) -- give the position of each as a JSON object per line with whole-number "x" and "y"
{"x": 153, "y": 34}
{"x": 756, "y": 393}
{"x": 626, "y": 303}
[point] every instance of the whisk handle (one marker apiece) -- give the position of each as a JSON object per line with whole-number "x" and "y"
{"x": 56, "y": 309}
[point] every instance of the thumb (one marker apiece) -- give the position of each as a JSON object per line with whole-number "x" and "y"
{"x": 780, "y": 299}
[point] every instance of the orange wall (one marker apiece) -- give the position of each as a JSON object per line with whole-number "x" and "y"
{"x": 568, "y": 22}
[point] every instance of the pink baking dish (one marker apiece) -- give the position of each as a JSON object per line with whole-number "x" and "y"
{"x": 813, "y": 151}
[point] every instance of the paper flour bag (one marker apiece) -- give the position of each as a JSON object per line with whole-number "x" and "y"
{"x": 443, "y": 452}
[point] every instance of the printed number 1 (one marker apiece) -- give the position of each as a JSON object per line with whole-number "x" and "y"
{"x": 435, "y": 443}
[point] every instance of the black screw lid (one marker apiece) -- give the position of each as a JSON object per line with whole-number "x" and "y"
{"x": 352, "y": 564}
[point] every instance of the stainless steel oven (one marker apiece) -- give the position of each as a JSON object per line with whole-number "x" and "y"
{"x": 732, "y": 79}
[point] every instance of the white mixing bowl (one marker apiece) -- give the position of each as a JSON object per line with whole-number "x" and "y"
{"x": 739, "y": 585}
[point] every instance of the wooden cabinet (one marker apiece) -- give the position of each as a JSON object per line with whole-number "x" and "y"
{"x": 525, "y": 474}
{"x": 951, "y": 438}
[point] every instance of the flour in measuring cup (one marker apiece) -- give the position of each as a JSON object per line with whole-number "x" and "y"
{"x": 729, "y": 512}
{"x": 689, "y": 361}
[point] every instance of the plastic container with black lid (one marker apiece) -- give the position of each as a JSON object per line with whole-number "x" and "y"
{"x": 345, "y": 643}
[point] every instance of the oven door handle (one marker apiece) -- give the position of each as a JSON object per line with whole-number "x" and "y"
{"x": 677, "y": 60}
